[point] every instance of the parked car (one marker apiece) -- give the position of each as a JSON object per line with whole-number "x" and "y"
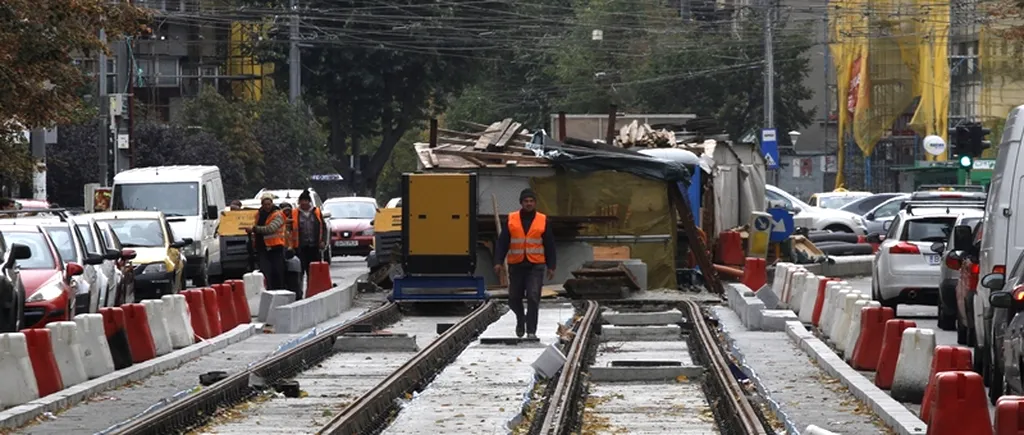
{"x": 955, "y": 271}
{"x": 394, "y": 203}
{"x": 863, "y": 205}
{"x": 125, "y": 272}
{"x": 906, "y": 269}
{"x": 12, "y": 291}
{"x": 49, "y": 296}
{"x": 159, "y": 262}
{"x": 351, "y": 224}
{"x": 815, "y": 218}
{"x": 97, "y": 244}
{"x": 837, "y": 199}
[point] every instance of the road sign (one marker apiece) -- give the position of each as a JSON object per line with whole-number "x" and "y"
{"x": 782, "y": 224}
{"x": 757, "y": 242}
{"x": 770, "y": 147}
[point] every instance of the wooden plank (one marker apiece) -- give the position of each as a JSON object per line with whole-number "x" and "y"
{"x": 697, "y": 247}
{"x": 492, "y": 156}
{"x": 492, "y": 134}
{"x": 507, "y": 135}
{"x": 475, "y": 161}
{"x": 503, "y": 277}
{"x": 611, "y": 253}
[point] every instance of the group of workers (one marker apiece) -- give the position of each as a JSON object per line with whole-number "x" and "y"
{"x": 282, "y": 232}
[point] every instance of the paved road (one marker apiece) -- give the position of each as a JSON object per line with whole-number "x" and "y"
{"x": 925, "y": 316}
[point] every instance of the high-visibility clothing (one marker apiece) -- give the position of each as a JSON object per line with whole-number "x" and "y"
{"x": 526, "y": 246}
{"x": 278, "y": 238}
{"x": 295, "y": 225}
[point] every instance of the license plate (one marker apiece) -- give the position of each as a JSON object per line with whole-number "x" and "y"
{"x": 934, "y": 260}
{"x": 346, "y": 243}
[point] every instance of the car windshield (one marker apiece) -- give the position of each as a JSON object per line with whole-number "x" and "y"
{"x": 138, "y": 233}
{"x": 90, "y": 244}
{"x": 835, "y": 201}
{"x": 174, "y": 199}
{"x": 62, "y": 239}
{"x": 42, "y": 257}
{"x": 351, "y": 210}
{"x": 933, "y": 229}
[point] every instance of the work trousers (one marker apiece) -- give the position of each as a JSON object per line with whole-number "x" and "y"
{"x": 272, "y": 266}
{"x": 308, "y": 254}
{"x": 525, "y": 281}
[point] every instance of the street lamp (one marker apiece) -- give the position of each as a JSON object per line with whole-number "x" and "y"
{"x": 793, "y": 136}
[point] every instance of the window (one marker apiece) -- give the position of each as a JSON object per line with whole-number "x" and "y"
{"x": 888, "y": 210}
{"x": 90, "y": 244}
{"x": 138, "y": 233}
{"x": 936, "y": 229}
{"x": 42, "y": 257}
{"x": 776, "y": 200}
{"x": 351, "y": 210}
{"x": 206, "y": 203}
{"x": 893, "y": 227}
{"x": 174, "y": 199}
{"x": 62, "y": 239}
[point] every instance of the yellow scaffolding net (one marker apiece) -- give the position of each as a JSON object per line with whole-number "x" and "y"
{"x": 1002, "y": 77}
{"x": 242, "y": 63}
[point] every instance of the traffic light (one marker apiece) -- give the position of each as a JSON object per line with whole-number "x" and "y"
{"x": 959, "y": 139}
{"x": 978, "y": 143}
{"x": 969, "y": 140}
{"x": 966, "y": 162}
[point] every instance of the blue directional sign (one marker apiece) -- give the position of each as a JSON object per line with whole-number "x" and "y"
{"x": 761, "y": 223}
{"x": 770, "y": 147}
{"x": 782, "y": 224}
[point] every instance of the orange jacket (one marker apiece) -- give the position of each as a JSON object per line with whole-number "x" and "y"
{"x": 525, "y": 246}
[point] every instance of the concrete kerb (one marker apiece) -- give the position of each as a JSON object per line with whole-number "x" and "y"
{"x": 301, "y": 315}
{"x": 893, "y": 413}
{"x": 20, "y": 415}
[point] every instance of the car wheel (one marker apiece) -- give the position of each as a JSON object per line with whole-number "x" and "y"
{"x": 838, "y": 228}
{"x": 946, "y": 322}
{"x": 203, "y": 278}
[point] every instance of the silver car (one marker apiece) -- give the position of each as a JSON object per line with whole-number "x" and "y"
{"x": 876, "y": 219}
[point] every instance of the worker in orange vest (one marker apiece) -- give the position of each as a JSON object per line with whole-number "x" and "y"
{"x": 528, "y": 244}
{"x": 270, "y": 242}
{"x": 309, "y": 233}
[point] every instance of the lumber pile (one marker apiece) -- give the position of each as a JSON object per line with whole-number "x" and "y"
{"x": 636, "y": 135}
{"x": 601, "y": 280}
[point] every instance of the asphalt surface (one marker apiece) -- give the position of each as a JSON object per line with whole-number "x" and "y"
{"x": 107, "y": 409}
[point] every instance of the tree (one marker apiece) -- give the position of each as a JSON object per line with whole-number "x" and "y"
{"x": 39, "y": 84}
{"x": 67, "y": 164}
{"x": 174, "y": 144}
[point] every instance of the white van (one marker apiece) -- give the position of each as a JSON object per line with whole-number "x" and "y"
{"x": 1001, "y": 242}
{"x": 191, "y": 197}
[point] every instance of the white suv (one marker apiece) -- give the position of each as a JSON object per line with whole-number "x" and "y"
{"x": 815, "y": 218}
{"x": 906, "y": 269}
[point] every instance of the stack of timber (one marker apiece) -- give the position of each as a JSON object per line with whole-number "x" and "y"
{"x": 644, "y": 136}
{"x": 499, "y": 145}
{"x": 601, "y": 280}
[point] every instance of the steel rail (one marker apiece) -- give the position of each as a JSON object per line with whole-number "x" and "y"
{"x": 561, "y": 405}
{"x": 368, "y": 413}
{"x": 736, "y": 407}
{"x": 196, "y": 409}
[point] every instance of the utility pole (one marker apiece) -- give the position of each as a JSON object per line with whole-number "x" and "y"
{"x": 103, "y": 103}
{"x": 294, "y": 66}
{"x": 769, "y": 66}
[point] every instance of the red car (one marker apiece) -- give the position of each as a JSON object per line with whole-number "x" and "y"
{"x": 47, "y": 280}
{"x": 966, "y": 288}
{"x": 350, "y": 218}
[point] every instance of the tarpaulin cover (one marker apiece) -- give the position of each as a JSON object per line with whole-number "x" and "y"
{"x": 641, "y": 205}
{"x": 643, "y": 166}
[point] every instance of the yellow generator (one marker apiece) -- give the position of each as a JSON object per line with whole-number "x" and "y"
{"x": 439, "y": 229}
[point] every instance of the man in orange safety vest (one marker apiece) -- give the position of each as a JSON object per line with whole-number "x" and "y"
{"x": 528, "y": 244}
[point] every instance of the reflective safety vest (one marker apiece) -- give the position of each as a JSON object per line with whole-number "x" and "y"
{"x": 278, "y": 238}
{"x": 295, "y": 226}
{"x": 526, "y": 246}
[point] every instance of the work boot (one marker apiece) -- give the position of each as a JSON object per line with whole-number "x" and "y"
{"x": 520, "y": 330}
{"x": 531, "y": 336}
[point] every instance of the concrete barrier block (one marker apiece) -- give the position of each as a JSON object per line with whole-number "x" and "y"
{"x": 835, "y": 310}
{"x": 788, "y": 301}
{"x": 16, "y": 371}
{"x": 301, "y": 315}
{"x": 775, "y": 320}
{"x": 787, "y": 279}
{"x": 913, "y": 365}
{"x": 253, "y": 283}
{"x": 831, "y": 290}
{"x": 271, "y": 299}
{"x": 179, "y": 322}
{"x": 768, "y": 297}
{"x": 801, "y": 290}
{"x": 95, "y": 350}
{"x": 853, "y": 334}
{"x": 815, "y": 430}
{"x": 779, "y": 277}
{"x": 158, "y": 326}
{"x": 752, "y": 313}
{"x": 67, "y": 350}
{"x": 841, "y": 316}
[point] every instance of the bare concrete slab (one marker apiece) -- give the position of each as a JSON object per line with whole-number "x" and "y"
{"x": 645, "y": 333}
{"x": 644, "y": 408}
{"x": 483, "y": 389}
{"x": 642, "y": 319}
{"x": 645, "y": 374}
{"x": 642, "y": 351}
{"x": 376, "y": 342}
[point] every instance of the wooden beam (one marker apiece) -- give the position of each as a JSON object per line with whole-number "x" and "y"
{"x": 492, "y": 156}
{"x": 507, "y": 135}
{"x": 491, "y": 135}
{"x": 697, "y": 247}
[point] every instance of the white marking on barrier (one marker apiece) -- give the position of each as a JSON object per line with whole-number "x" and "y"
{"x": 831, "y": 290}
{"x": 780, "y": 277}
{"x": 809, "y": 299}
{"x": 800, "y": 290}
{"x": 95, "y": 350}
{"x": 158, "y": 326}
{"x": 16, "y": 371}
{"x": 913, "y": 365}
{"x": 855, "y": 327}
{"x": 794, "y": 287}
{"x": 843, "y": 326}
{"x": 179, "y": 321}
{"x": 837, "y": 311}
{"x": 67, "y": 350}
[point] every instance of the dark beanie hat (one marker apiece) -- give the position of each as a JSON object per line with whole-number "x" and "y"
{"x": 305, "y": 196}
{"x": 527, "y": 193}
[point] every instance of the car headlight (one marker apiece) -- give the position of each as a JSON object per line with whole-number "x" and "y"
{"x": 153, "y": 268}
{"x": 47, "y": 292}
{"x": 368, "y": 232}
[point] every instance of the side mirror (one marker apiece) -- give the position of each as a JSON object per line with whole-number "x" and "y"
{"x": 326, "y": 214}
{"x": 112, "y": 254}
{"x": 128, "y": 254}
{"x": 1001, "y": 299}
{"x": 20, "y": 252}
{"x": 869, "y": 217}
{"x": 188, "y": 241}
{"x": 963, "y": 237}
{"x": 886, "y": 225}
{"x": 211, "y": 211}
{"x": 994, "y": 281}
{"x": 371, "y": 222}
{"x": 874, "y": 238}
{"x": 939, "y": 247}
{"x": 93, "y": 259}
{"x": 74, "y": 269}
{"x": 178, "y": 244}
